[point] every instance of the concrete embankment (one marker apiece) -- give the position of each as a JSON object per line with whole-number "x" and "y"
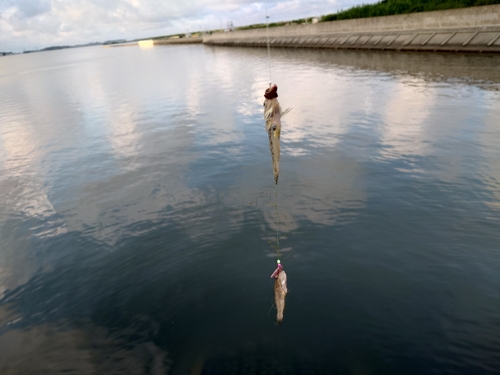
{"x": 475, "y": 29}
{"x": 192, "y": 40}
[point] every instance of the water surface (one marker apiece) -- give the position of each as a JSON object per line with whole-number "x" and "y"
{"x": 128, "y": 245}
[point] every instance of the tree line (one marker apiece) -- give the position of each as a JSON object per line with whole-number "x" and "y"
{"x": 390, "y": 7}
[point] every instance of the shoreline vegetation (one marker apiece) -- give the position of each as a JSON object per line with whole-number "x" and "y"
{"x": 393, "y": 7}
{"x": 381, "y": 8}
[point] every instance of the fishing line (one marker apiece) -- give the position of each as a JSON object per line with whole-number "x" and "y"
{"x": 277, "y": 221}
{"x": 268, "y": 45}
{"x": 270, "y": 83}
{"x": 272, "y": 115}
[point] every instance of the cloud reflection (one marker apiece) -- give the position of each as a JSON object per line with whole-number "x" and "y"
{"x": 22, "y": 187}
{"x": 406, "y": 128}
{"x": 122, "y": 134}
{"x": 490, "y": 136}
{"x": 58, "y": 349}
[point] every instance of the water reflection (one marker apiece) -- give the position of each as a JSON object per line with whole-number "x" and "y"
{"x": 57, "y": 349}
{"x": 123, "y": 136}
{"x": 127, "y": 176}
{"x": 17, "y": 264}
{"x": 24, "y": 190}
{"x": 406, "y": 130}
{"x": 491, "y": 170}
{"x": 463, "y": 69}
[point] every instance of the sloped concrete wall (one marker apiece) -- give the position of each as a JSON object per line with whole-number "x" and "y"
{"x": 192, "y": 40}
{"x": 474, "y": 29}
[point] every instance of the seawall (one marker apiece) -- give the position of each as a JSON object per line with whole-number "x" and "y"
{"x": 475, "y": 29}
{"x": 192, "y": 40}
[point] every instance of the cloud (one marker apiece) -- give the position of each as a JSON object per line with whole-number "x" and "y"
{"x": 25, "y": 8}
{"x": 27, "y": 24}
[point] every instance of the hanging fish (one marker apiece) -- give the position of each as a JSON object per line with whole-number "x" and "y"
{"x": 272, "y": 115}
{"x": 280, "y": 291}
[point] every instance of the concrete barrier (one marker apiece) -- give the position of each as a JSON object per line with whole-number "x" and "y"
{"x": 475, "y": 29}
{"x": 192, "y": 40}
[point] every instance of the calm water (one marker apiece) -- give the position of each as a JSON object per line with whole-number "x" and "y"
{"x": 128, "y": 246}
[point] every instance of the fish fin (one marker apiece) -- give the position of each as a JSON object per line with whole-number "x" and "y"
{"x": 286, "y": 111}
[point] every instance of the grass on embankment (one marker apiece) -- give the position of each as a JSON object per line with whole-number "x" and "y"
{"x": 275, "y": 24}
{"x": 390, "y": 7}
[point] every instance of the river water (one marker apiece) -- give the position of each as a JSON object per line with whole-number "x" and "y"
{"x": 136, "y": 212}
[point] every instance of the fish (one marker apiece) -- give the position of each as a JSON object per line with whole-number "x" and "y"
{"x": 280, "y": 292}
{"x": 272, "y": 115}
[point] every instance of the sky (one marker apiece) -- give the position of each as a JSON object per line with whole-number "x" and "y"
{"x": 31, "y": 24}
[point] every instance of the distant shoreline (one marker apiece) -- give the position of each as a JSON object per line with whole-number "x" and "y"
{"x": 360, "y": 12}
